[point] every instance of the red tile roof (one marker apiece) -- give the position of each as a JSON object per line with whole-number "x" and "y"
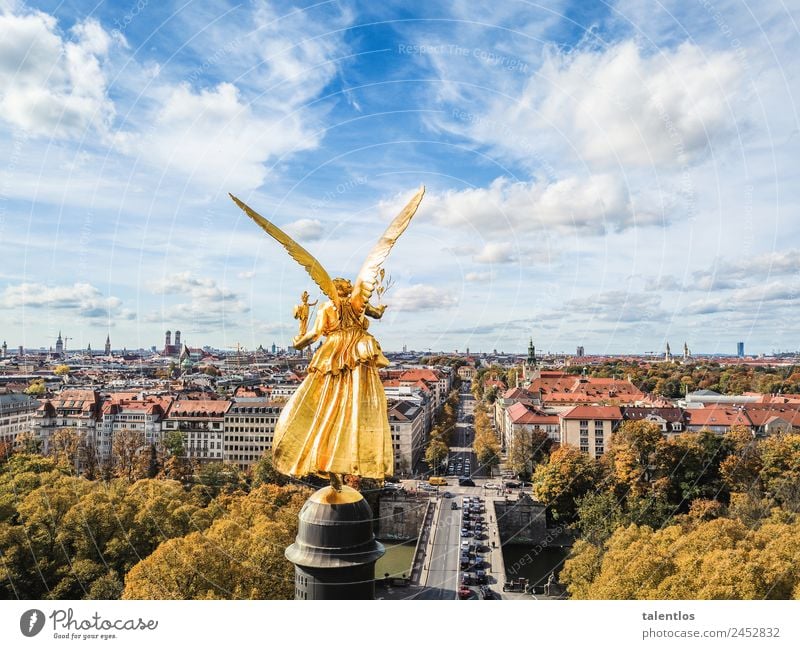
{"x": 718, "y": 416}
{"x": 519, "y": 413}
{"x": 199, "y": 408}
{"x": 594, "y": 412}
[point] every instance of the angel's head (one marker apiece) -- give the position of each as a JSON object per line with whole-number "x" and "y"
{"x": 343, "y": 286}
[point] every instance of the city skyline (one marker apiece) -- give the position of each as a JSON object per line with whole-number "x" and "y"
{"x": 677, "y": 355}
{"x": 601, "y": 176}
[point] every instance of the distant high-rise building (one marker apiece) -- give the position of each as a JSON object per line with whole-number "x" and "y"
{"x": 274, "y": 348}
{"x": 108, "y": 345}
{"x": 5, "y": 349}
{"x": 740, "y": 349}
{"x": 579, "y": 351}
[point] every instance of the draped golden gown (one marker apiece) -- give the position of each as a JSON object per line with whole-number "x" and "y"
{"x": 337, "y": 422}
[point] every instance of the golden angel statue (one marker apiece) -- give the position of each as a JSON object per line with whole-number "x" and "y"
{"x": 302, "y": 311}
{"x": 336, "y": 422}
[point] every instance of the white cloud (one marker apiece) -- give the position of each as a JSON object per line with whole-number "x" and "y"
{"x": 184, "y": 283}
{"x": 663, "y": 283}
{"x": 421, "y": 297}
{"x": 617, "y": 106}
{"x": 477, "y": 277}
{"x": 246, "y": 274}
{"x": 611, "y": 306}
{"x": 733, "y": 273}
{"x": 496, "y": 253}
{"x": 762, "y": 296}
{"x": 204, "y": 303}
{"x": 83, "y": 300}
{"x": 52, "y": 85}
{"x": 305, "y": 229}
{"x": 595, "y": 205}
{"x": 215, "y": 137}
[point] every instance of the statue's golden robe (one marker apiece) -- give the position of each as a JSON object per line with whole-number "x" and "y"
{"x": 337, "y": 422}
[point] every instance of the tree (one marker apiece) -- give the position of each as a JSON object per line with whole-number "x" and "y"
{"x": 689, "y": 466}
{"x": 631, "y": 454}
{"x": 65, "y": 446}
{"x": 527, "y": 449}
{"x": 568, "y": 475}
{"x": 780, "y": 473}
{"x": 264, "y": 472}
{"x": 126, "y": 446}
{"x": 27, "y": 442}
{"x": 701, "y": 559}
{"x": 436, "y": 452}
{"x": 486, "y": 443}
{"x": 61, "y": 370}
{"x": 599, "y": 514}
{"x": 214, "y": 478}
{"x": 36, "y": 388}
{"x": 239, "y": 557}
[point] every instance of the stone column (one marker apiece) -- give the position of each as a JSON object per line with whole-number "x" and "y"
{"x": 335, "y": 550}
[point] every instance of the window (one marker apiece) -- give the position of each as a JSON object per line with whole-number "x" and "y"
{"x": 584, "y": 423}
{"x": 598, "y": 451}
{"x": 584, "y": 449}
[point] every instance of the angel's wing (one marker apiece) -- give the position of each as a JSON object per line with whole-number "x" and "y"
{"x": 295, "y": 250}
{"x": 368, "y": 275}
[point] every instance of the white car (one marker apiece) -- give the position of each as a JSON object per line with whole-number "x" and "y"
{"x": 492, "y": 485}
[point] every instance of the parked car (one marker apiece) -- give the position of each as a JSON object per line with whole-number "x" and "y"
{"x": 454, "y": 505}
{"x": 464, "y": 593}
{"x": 465, "y": 482}
{"x": 492, "y": 485}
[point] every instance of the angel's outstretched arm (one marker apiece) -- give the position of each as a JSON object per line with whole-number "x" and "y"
{"x": 374, "y": 311}
{"x": 301, "y": 342}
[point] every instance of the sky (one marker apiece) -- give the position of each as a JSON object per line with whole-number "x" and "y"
{"x": 614, "y": 175}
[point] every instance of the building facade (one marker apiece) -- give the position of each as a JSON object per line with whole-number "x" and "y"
{"x": 406, "y": 424}
{"x": 589, "y": 428}
{"x": 249, "y": 426}
{"x": 16, "y": 416}
{"x": 201, "y": 422}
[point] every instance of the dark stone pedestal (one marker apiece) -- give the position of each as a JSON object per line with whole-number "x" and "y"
{"x": 335, "y": 550}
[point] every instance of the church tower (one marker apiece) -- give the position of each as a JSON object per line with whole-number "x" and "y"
{"x": 59, "y": 345}
{"x": 667, "y": 355}
{"x": 685, "y": 351}
{"x": 5, "y": 349}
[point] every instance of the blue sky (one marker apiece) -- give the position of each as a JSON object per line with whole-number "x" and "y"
{"x": 612, "y": 175}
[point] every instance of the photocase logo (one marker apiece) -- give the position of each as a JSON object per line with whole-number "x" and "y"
{"x": 31, "y": 622}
